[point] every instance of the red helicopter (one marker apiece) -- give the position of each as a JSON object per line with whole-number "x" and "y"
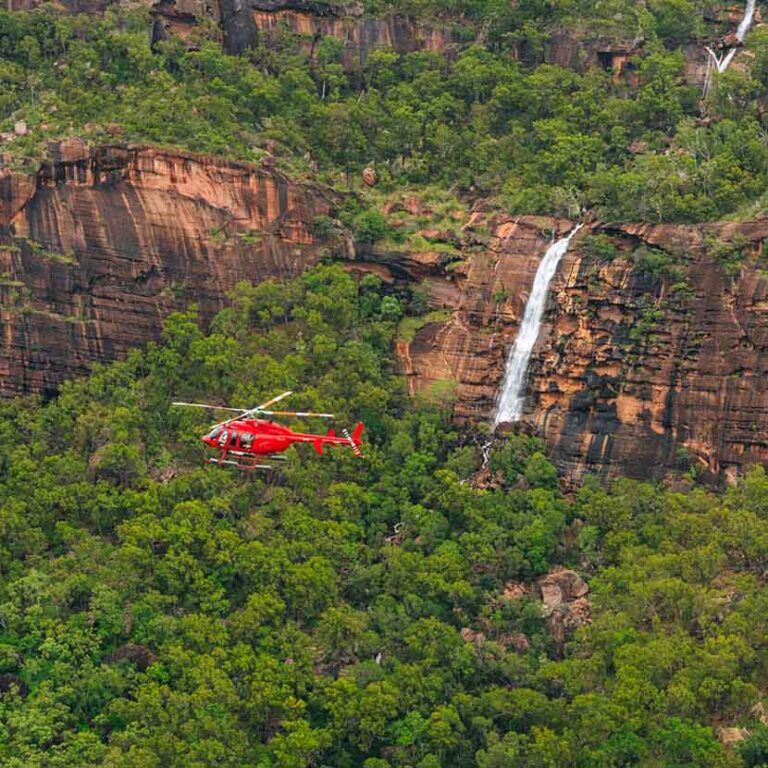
{"x": 245, "y": 440}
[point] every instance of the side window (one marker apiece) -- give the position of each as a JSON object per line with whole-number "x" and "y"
{"x": 223, "y": 437}
{"x": 245, "y": 440}
{"x": 233, "y": 439}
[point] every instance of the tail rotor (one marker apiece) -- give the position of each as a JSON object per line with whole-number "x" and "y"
{"x": 354, "y": 439}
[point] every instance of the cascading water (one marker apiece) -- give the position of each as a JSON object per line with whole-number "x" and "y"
{"x": 722, "y": 62}
{"x": 511, "y": 396}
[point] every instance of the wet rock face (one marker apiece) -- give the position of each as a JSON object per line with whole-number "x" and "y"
{"x": 640, "y": 374}
{"x": 486, "y": 294}
{"x": 632, "y": 374}
{"x": 104, "y": 242}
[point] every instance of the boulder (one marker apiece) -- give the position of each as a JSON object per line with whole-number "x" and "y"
{"x": 561, "y": 586}
{"x": 730, "y": 736}
{"x": 369, "y": 176}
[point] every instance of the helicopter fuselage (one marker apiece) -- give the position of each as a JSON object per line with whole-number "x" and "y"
{"x": 259, "y": 437}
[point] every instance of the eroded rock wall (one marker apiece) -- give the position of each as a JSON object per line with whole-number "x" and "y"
{"x": 633, "y": 373}
{"x": 103, "y": 242}
{"x": 640, "y": 373}
{"x": 64, "y": 6}
{"x": 313, "y": 21}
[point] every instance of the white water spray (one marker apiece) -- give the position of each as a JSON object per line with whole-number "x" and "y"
{"x": 723, "y": 62}
{"x": 511, "y": 396}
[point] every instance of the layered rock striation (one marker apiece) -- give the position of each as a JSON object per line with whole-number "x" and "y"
{"x": 640, "y": 372}
{"x": 102, "y": 243}
{"x": 652, "y": 354}
{"x": 244, "y": 24}
{"x": 650, "y": 360}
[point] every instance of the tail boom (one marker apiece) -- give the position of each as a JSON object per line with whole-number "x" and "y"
{"x": 318, "y": 441}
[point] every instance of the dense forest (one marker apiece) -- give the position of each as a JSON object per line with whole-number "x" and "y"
{"x": 394, "y": 610}
{"x": 353, "y": 612}
{"x": 540, "y": 138}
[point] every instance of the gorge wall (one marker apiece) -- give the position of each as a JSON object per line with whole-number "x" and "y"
{"x": 642, "y": 372}
{"x": 245, "y": 23}
{"x": 638, "y": 369}
{"x": 100, "y": 244}
{"x": 651, "y": 356}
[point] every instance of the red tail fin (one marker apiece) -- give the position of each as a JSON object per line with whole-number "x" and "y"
{"x": 331, "y": 433}
{"x": 318, "y": 446}
{"x": 358, "y": 431}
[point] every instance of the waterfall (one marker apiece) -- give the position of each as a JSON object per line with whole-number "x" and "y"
{"x": 722, "y": 62}
{"x": 511, "y": 395}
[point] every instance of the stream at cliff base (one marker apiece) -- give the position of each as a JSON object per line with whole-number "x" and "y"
{"x": 512, "y": 393}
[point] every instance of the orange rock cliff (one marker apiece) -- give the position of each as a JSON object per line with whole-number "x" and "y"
{"x": 632, "y": 373}
{"x": 103, "y": 242}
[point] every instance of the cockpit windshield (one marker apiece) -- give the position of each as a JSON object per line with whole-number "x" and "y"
{"x": 215, "y": 433}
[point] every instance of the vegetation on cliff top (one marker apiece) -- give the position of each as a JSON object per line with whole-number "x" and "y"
{"x": 154, "y": 612}
{"x": 539, "y": 137}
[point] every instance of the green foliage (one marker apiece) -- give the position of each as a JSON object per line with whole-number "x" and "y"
{"x": 488, "y": 120}
{"x": 155, "y": 612}
{"x": 599, "y": 247}
{"x": 370, "y": 226}
{"x": 731, "y": 255}
{"x": 754, "y": 749}
{"x": 654, "y": 263}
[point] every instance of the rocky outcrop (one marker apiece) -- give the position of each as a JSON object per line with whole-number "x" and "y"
{"x": 640, "y": 372}
{"x": 100, "y": 244}
{"x": 634, "y": 373}
{"x": 559, "y": 587}
{"x": 564, "y": 599}
{"x": 180, "y": 18}
{"x": 313, "y": 21}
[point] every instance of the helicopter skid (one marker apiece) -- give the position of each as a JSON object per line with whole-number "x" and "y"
{"x": 238, "y": 464}
{"x": 244, "y": 461}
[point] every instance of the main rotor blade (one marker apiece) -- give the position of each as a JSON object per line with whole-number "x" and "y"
{"x": 272, "y": 401}
{"x": 214, "y": 407}
{"x": 299, "y": 413}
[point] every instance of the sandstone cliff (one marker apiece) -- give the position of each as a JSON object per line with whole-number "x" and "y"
{"x": 241, "y": 24}
{"x": 245, "y": 23}
{"x": 103, "y": 242}
{"x": 633, "y": 373}
{"x": 640, "y": 373}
